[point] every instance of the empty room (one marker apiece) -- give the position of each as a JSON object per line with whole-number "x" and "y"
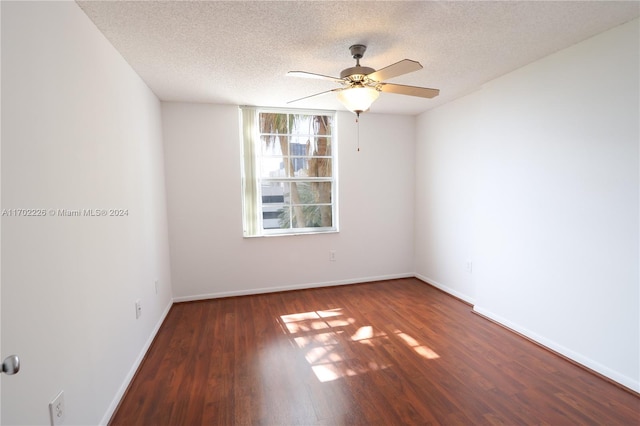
{"x": 320, "y": 213}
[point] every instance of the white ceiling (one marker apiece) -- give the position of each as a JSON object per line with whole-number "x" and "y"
{"x": 238, "y": 52}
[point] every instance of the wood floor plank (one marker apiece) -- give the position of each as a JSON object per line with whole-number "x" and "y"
{"x": 383, "y": 353}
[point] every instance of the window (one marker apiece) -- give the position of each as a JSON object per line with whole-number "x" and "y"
{"x": 289, "y": 172}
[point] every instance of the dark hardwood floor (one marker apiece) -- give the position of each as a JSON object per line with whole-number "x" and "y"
{"x": 384, "y": 353}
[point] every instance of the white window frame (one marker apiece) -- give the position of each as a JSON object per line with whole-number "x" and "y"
{"x": 251, "y": 156}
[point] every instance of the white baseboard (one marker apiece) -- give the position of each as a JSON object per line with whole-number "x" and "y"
{"x": 287, "y": 288}
{"x": 123, "y": 388}
{"x": 446, "y": 289}
{"x": 574, "y": 356}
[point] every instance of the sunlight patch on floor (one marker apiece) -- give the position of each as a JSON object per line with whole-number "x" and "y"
{"x": 421, "y": 350}
{"x": 324, "y": 337}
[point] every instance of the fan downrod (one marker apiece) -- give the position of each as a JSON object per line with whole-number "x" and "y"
{"x": 357, "y": 73}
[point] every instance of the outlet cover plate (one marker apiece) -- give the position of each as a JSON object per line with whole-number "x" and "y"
{"x": 332, "y": 255}
{"x": 57, "y": 410}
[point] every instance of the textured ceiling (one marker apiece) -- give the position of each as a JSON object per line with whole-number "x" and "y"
{"x": 238, "y": 52}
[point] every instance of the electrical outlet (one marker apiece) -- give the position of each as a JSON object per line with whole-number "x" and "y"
{"x": 57, "y": 410}
{"x": 138, "y": 309}
{"x": 155, "y": 286}
{"x": 469, "y": 266}
{"x": 332, "y": 255}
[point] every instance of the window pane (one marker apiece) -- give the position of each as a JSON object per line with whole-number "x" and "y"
{"x": 272, "y": 167}
{"x": 274, "y": 205}
{"x": 301, "y": 193}
{"x": 321, "y": 192}
{"x": 311, "y": 216}
{"x": 303, "y": 124}
{"x": 298, "y": 145}
{"x": 318, "y": 167}
{"x": 299, "y": 166}
{"x": 324, "y": 124}
{"x": 311, "y": 167}
{"x": 272, "y": 218}
{"x": 271, "y": 122}
{"x": 272, "y": 145}
{"x": 320, "y": 146}
{"x": 275, "y": 193}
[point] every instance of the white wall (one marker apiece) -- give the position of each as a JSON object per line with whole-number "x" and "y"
{"x": 80, "y": 130}
{"x": 209, "y": 256}
{"x": 446, "y": 160}
{"x": 536, "y": 178}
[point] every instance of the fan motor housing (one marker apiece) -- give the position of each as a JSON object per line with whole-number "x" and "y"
{"x": 358, "y": 73}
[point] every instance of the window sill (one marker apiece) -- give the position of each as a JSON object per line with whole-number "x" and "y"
{"x": 291, "y": 234}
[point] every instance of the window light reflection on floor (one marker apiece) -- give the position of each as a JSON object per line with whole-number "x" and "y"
{"x": 322, "y": 336}
{"x": 421, "y": 350}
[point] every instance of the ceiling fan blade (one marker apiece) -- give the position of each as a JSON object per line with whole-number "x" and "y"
{"x": 399, "y": 68}
{"x": 317, "y": 94}
{"x": 400, "y": 89}
{"x": 305, "y": 74}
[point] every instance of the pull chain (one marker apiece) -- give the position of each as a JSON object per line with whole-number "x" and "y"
{"x": 358, "y": 128}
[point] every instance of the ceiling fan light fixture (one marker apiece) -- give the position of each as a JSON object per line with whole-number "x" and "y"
{"x": 363, "y": 84}
{"x": 358, "y": 99}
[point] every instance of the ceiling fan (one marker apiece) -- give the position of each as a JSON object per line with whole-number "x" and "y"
{"x": 362, "y": 85}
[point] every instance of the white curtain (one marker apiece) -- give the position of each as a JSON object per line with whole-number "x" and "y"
{"x": 251, "y": 206}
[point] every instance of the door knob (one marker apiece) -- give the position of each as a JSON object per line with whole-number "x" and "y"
{"x": 11, "y": 364}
